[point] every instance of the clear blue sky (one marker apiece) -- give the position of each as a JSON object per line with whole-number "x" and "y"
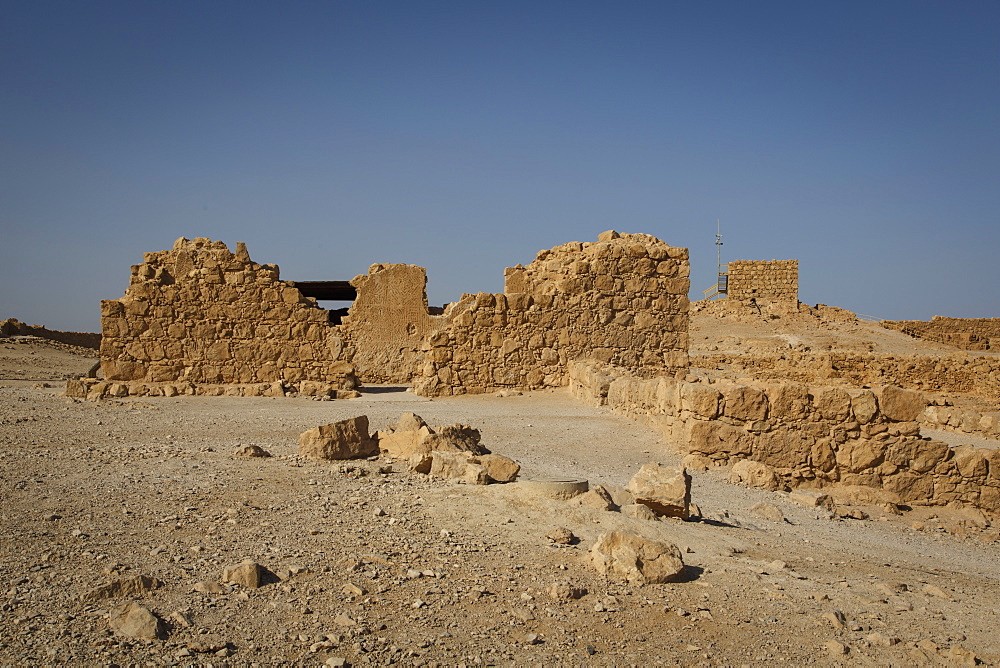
{"x": 861, "y": 138}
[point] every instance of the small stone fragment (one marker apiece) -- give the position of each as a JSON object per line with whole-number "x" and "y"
{"x": 136, "y": 621}
{"x": 247, "y": 574}
{"x": 834, "y": 648}
{"x": 566, "y": 591}
{"x": 754, "y": 474}
{"x": 639, "y": 512}
{"x": 251, "y": 451}
{"x": 140, "y": 585}
{"x": 561, "y": 536}
{"x": 768, "y": 511}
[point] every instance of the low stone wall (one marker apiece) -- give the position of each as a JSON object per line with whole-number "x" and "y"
{"x": 962, "y": 421}
{"x": 14, "y": 327}
{"x": 811, "y": 436}
{"x": 93, "y": 388}
{"x": 965, "y": 333}
{"x": 978, "y": 375}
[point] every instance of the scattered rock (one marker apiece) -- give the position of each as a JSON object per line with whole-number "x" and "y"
{"x": 562, "y": 536}
{"x": 136, "y": 621}
{"x": 209, "y": 587}
{"x": 251, "y": 451}
{"x": 636, "y": 559}
{"x": 140, "y": 585}
{"x": 768, "y": 511}
{"x": 834, "y": 648}
{"x": 811, "y": 498}
{"x": 754, "y": 474}
{"x": 498, "y": 468}
{"x": 247, "y": 574}
{"x": 639, "y": 512}
{"x": 566, "y": 591}
{"x": 597, "y": 498}
{"x": 347, "y": 439}
{"x": 665, "y": 489}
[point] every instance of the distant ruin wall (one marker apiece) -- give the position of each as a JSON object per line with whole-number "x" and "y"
{"x": 13, "y": 327}
{"x": 810, "y": 436}
{"x": 203, "y": 315}
{"x": 763, "y": 280}
{"x": 967, "y": 374}
{"x": 965, "y": 333}
{"x": 621, "y": 299}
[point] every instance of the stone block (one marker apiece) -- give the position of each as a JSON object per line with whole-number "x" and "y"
{"x": 665, "y": 489}
{"x": 637, "y": 559}
{"x": 347, "y": 439}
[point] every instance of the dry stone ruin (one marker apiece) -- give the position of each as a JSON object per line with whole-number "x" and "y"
{"x": 200, "y": 319}
{"x": 773, "y": 281}
{"x": 609, "y": 318}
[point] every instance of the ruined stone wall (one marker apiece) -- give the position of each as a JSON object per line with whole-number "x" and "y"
{"x": 202, "y": 315}
{"x": 765, "y": 281}
{"x": 810, "y": 436}
{"x": 963, "y": 373}
{"x": 964, "y": 333}
{"x": 14, "y": 327}
{"x": 621, "y": 299}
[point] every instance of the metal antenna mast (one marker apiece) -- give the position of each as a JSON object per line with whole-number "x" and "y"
{"x": 722, "y": 286}
{"x": 718, "y": 241}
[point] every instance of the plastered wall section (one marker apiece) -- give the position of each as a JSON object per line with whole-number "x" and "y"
{"x": 622, "y": 300}
{"x": 965, "y": 333}
{"x": 201, "y": 314}
{"x": 811, "y": 436}
{"x": 388, "y": 323}
{"x": 764, "y": 280}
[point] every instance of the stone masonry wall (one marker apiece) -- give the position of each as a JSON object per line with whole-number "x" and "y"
{"x": 964, "y": 373}
{"x": 966, "y": 333}
{"x": 810, "y": 436}
{"x": 765, "y": 281}
{"x": 621, "y": 300}
{"x": 203, "y": 315}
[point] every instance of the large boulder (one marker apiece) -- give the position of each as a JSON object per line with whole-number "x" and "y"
{"x": 499, "y": 468}
{"x": 347, "y": 439}
{"x": 665, "y": 489}
{"x": 628, "y": 555}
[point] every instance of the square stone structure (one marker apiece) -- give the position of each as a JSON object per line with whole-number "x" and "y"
{"x": 200, "y": 315}
{"x": 764, "y": 280}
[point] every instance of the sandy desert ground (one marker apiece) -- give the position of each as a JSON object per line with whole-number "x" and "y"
{"x": 378, "y": 565}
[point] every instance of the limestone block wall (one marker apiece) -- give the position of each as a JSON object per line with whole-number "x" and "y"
{"x": 621, "y": 299}
{"x": 764, "y": 280}
{"x": 965, "y": 333}
{"x": 203, "y": 315}
{"x": 811, "y": 436}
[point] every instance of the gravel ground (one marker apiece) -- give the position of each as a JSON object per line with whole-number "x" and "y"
{"x": 376, "y": 565}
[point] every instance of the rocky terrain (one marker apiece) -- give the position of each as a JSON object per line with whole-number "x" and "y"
{"x": 364, "y": 562}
